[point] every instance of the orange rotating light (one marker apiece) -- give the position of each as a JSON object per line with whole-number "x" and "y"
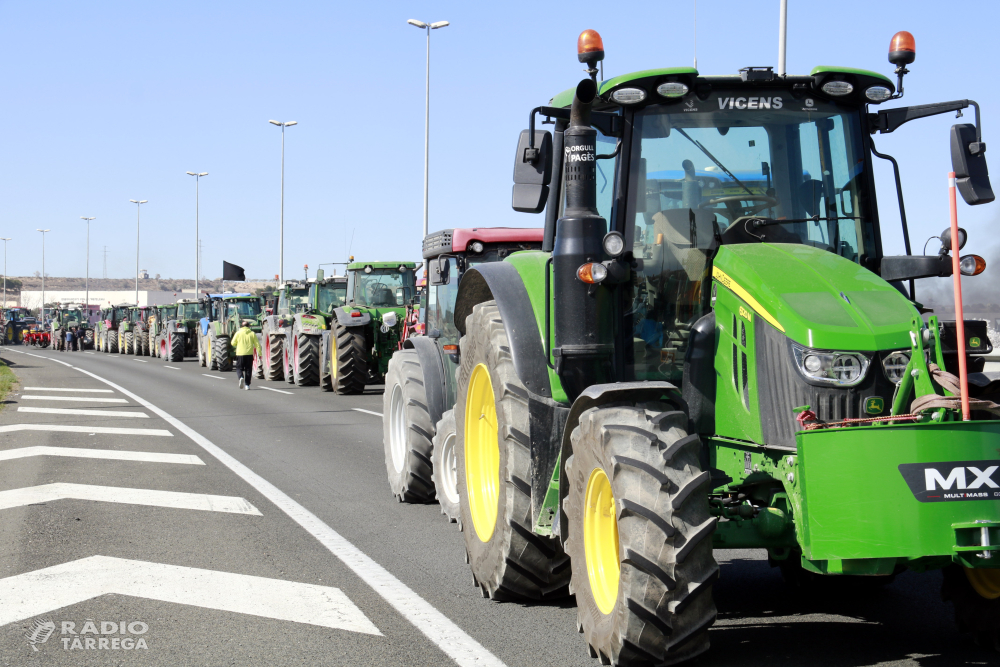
{"x": 590, "y": 47}
{"x": 902, "y": 48}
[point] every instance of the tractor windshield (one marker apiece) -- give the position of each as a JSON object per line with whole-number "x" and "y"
{"x": 191, "y": 311}
{"x": 329, "y": 295}
{"x": 379, "y": 288}
{"x": 734, "y": 167}
{"x": 168, "y": 313}
{"x": 247, "y": 307}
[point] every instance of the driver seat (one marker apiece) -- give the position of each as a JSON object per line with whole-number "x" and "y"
{"x": 687, "y": 235}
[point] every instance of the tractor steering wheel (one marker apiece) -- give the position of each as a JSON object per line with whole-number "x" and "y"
{"x": 734, "y": 211}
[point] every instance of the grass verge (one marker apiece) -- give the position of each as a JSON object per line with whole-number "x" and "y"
{"x": 7, "y": 380}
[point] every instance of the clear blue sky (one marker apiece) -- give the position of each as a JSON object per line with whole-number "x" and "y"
{"x": 103, "y": 102}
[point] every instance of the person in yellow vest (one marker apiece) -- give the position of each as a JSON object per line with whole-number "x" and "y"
{"x": 245, "y": 341}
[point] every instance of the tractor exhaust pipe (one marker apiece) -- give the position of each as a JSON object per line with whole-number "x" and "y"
{"x": 584, "y": 338}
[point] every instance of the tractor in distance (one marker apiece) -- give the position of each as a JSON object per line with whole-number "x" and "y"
{"x": 158, "y": 317}
{"x": 418, "y": 422}
{"x": 711, "y": 350}
{"x": 276, "y": 324}
{"x": 131, "y": 330}
{"x": 179, "y": 336}
{"x": 16, "y": 321}
{"x": 308, "y": 322}
{"x": 110, "y": 338}
{"x": 72, "y": 318}
{"x": 365, "y": 332}
{"x": 228, "y": 311}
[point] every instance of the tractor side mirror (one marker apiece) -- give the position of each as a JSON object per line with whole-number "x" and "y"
{"x": 439, "y": 270}
{"x": 968, "y": 161}
{"x": 400, "y": 296}
{"x": 532, "y": 172}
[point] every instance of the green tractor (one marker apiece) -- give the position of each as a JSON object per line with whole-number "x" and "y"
{"x": 712, "y": 351}
{"x": 72, "y": 318}
{"x": 112, "y": 321}
{"x": 178, "y": 336}
{"x": 158, "y": 317}
{"x": 355, "y": 351}
{"x": 276, "y": 326}
{"x": 305, "y": 335}
{"x": 227, "y": 312}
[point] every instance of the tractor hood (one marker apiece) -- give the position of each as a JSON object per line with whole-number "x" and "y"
{"x": 818, "y": 299}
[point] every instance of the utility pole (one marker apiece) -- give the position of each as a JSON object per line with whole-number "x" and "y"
{"x": 281, "y": 243}
{"x": 4, "y": 271}
{"x": 138, "y": 206}
{"x": 41, "y": 313}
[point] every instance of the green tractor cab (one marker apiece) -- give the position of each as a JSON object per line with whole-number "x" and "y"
{"x": 226, "y": 312}
{"x": 276, "y": 329}
{"x": 367, "y": 330}
{"x": 305, "y": 335}
{"x": 712, "y": 351}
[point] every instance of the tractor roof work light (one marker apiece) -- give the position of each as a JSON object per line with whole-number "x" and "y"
{"x": 590, "y": 50}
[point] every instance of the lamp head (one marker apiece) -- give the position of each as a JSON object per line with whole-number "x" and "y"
{"x": 416, "y": 23}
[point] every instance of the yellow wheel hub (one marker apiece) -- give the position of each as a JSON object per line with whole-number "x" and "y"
{"x": 985, "y": 582}
{"x": 333, "y": 356}
{"x": 482, "y": 453}
{"x": 600, "y": 541}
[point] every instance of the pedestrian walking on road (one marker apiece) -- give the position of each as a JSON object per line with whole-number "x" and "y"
{"x": 245, "y": 341}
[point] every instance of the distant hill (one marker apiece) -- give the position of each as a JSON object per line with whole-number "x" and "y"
{"x": 152, "y": 284}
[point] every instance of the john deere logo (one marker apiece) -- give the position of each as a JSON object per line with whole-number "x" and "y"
{"x": 974, "y": 341}
{"x": 874, "y": 405}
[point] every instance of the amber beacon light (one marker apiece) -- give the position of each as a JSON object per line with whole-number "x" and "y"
{"x": 590, "y": 47}
{"x": 902, "y": 48}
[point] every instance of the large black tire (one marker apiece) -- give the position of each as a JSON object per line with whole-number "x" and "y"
{"x": 220, "y": 354}
{"x": 175, "y": 346}
{"x": 508, "y": 560}
{"x": 129, "y": 346}
{"x": 975, "y": 614}
{"x": 407, "y": 430}
{"x": 113, "y": 342}
{"x": 141, "y": 343}
{"x": 326, "y": 369}
{"x": 660, "y": 608}
{"x": 88, "y": 340}
{"x": 444, "y": 465}
{"x": 288, "y": 357}
{"x": 306, "y": 359}
{"x": 273, "y": 368}
{"x": 350, "y": 354}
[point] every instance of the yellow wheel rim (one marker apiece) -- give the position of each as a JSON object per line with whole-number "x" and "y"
{"x": 210, "y": 350}
{"x": 482, "y": 453}
{"x": 600, "y": 541}
{"x": 985, "y": 582}
{"x": 333, "y": 357}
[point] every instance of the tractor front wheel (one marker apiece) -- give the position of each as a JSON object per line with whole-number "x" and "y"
{"x": 174, "y": 349}
{"x": 272, "y": 357}
{"x": 349, "y": 359}
{"x": 639, "y": 535}
{"x": 220, "y": 354}
{"x": 444, "y": 463}
{"x": 128, "y": 343}
{"x": 407, "y": 430}
{"x": 306, "y": 359}
{"x": 508, "y": 560}
{"x": 975, "y": 595}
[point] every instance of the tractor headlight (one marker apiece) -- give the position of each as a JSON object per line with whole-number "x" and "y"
{"x": 614, "y": 244}
{"x": 894, "y": 365}
{"x": 843, "y": 369}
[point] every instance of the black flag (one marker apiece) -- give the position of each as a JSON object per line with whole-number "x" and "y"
{"x": 232, "y": 272}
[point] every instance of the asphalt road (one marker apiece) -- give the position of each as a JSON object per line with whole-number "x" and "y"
{"x": 257, "y": 528}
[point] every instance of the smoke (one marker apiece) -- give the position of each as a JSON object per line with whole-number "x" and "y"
{"x": 980, "y": 294}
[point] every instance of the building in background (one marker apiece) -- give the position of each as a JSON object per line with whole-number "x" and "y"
{"x": 101, "y": 298}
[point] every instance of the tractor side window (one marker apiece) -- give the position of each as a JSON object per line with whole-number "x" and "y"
{"x": 441, "y": 306}
{"x": 283, "y": 302}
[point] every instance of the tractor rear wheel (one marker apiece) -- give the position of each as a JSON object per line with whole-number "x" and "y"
{"x": 272, "y": 357}
{"x": 975, "y": 594}
{"x": 407, "y": 430}
{"x": 287, "y": 357}
{"x": 174, "y": 347}
{"x": 220, "y": 354}
{"x": 444, "y": 463}
{"x": 639, "y": 535}
{"x": 494, "y": 462}
{"x": 306, "y": 359}
{"x": 349, "y": 360}
{"x": 326, "y": 369}
{"x": 129, "y": 345}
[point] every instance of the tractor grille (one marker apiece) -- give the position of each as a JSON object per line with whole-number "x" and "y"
{"x": 437, "y": 243}
{"x": 781, "y": 388}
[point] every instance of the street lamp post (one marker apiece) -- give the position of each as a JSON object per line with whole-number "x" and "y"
{"x": 138, "y": 206}
{"x": 41, "y": 312}
{"x": 427, "y": 107}
{"x": 88, "y": 264}
{"x": 197, "y": 258}
{"x": 4, "y": 271}
{"x": 281, "y": 242}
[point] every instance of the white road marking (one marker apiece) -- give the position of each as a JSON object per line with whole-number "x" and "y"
{"x": 93, "y": 391}
{"x": 141, "y": 361}
{"x": 59, "y": 362}
{"x": 111, "y": 454}
{"x": 64, "y": 428}
{"x": 115, "y": 494}
{"x": 280, "y": 391}
{"x": 35, "y": 355}
{"x": 88, "y": 352}
{"x": 83, "y": 399}
{"x": 214, "y": 377}
{"x": 39, "y": 592}
{"x": 173, "y": 368}
{"x": 93, "y": 413}
{"x": 437, "y": 627}
{"x": 367, "y": 412}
